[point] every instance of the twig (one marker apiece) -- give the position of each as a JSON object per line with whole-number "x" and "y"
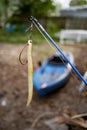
{"x": 79, "y": 116}
{"x": 65, "y": 119}
{"x": 39, "y": 117}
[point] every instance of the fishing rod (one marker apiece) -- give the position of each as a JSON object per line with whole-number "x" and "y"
{"x": 46, "y": 35}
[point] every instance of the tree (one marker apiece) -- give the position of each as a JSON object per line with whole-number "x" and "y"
{"x": 20, "y": 9}
{"x": 58, "y": 7}
{"x": 34, "y": 7}
{"x": 4, "y": 8}
{"x": 7, "y": 7}
{"x": 78, "y": 2}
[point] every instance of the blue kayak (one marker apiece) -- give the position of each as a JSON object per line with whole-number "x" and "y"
{"x": 52, "y": 74}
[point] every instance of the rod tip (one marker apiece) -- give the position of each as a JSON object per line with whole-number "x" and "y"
{"x": 30, "y": 17}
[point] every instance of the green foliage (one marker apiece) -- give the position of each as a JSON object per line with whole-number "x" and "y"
{"x": 34, "y": 7}
{"x": 4, "y": 2}
{"x": 4, "y": 8}
{"x": 16, "y": 11}
{"x": 52, "y": 28}
{"x": 20, "y": 36}
{"x": 7, "y": 7}
{"x": 78, "y": 2}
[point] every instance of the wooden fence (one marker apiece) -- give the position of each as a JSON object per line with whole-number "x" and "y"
{"x": 65, "y": 22}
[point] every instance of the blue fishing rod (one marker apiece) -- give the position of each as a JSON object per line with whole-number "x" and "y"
{"x": 45, "y": 34}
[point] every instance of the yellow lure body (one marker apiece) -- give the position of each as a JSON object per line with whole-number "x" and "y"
{"x": 30, "y": 73}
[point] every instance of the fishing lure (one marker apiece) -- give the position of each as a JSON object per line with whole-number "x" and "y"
{"x": 30, "y": 70}
{"x": 30, "y": 73}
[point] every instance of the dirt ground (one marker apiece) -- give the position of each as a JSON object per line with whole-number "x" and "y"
{"x": 14, "y": 114}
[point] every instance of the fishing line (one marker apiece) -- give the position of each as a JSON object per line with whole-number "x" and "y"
{"x": 72, "y": 72}
{"x": 49, "y": 42}
{"x": 62, "y": 58}
{"x": 46, "y": 38}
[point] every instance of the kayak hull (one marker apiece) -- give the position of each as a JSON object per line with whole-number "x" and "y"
{"x": 52, "y": 74}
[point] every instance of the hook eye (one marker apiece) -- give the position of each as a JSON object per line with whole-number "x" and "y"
{"x": 29, "y": 28}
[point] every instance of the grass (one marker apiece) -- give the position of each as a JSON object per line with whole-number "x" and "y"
{"x": 18, "y": 37}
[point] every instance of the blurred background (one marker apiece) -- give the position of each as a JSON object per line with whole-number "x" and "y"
{"x": 66, "y": 22}
{"x": 54, "y": 15}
